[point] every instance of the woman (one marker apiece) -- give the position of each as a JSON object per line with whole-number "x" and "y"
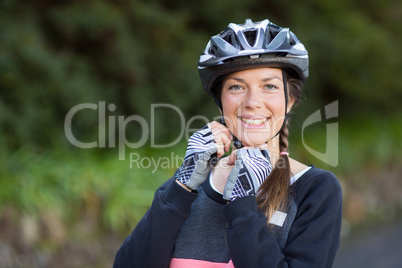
{"x": 257, "y": 207}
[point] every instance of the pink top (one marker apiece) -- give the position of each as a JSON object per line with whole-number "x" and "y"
{"x": 185, "y": 263}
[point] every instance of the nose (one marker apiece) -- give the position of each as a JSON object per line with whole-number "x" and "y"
{"x": 253, "y": 99}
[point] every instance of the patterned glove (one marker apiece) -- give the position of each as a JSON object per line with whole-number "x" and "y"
{"x": 252, "y": 167}
{"x": 200, "y": 154}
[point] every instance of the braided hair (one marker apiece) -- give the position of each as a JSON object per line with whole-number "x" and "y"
{"x": 274, "y": 193}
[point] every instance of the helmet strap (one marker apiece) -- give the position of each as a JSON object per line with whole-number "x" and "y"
{"x": 218, "y": 86}
{"x": 285, "y": 88}
{"x": 236, "y": 142}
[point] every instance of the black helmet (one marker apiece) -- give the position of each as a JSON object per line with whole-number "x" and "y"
{"x": 241, "y": 46}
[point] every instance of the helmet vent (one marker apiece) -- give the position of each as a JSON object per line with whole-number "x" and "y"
{"x": 213, "y": 49}
{"x": 230, "y": 37}
{"x": 241, "y": 46}
{"x": 292, "y": 42}
{"x": 272, "y": 33}
{"x": 251, "y": 37}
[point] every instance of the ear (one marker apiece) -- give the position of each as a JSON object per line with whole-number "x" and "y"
{"x": 291, "y": 102}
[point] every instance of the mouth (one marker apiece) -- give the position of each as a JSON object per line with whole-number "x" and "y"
{"x": 258, "y": 122}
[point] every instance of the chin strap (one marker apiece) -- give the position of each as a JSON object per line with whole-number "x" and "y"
{"x": 218, "y": 85}
{"x": 285, "y": 88}
{"x": 236, "y": 142}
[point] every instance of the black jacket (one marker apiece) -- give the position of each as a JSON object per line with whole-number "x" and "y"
{"x": 199, "y": 226}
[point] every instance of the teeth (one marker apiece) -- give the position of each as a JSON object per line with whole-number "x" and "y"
{"x": 255, "y": 122}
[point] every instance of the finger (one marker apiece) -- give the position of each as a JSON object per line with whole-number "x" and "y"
{"x": 224, "y": 136}
{"x": 232, "y": 158}
{"x": 219, "y": 128}
{"x": 236, "y": 154}
{"x": 224, "y": 141}
{"x": 220, "y": 147}
{"x": 216, "y": 124}
{"x": 220, "y": 150}
{"x": 224, "y": 133}
{"x": 228, "y": 144}
{"x": 231, "y": 182}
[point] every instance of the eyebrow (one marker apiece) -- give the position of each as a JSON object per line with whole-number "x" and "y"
{"x": 269, "y": 78}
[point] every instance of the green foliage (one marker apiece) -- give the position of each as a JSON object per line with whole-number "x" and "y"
{"x": 372, "y": 146}
{"x": 55, "y": 55}
{"x": 77, "y": 184}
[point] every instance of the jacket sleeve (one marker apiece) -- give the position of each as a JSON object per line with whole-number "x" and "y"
{"x": 313, "y": 238}
{"x": 152, "y": 242}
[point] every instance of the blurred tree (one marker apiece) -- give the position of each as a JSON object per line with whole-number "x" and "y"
{"x": 56, "y": 55}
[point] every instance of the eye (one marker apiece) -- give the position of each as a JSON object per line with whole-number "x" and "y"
{"x": 271, "y": 87}
{"x": 235, "y": 87}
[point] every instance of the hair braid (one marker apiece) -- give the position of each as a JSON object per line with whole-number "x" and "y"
{"x": 283, "y": 139}
{"x": 273, "y": 193}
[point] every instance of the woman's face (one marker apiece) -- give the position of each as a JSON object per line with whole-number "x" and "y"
{"x": 253, "y": 103}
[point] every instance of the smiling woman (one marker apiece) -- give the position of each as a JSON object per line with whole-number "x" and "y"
{"x": 256, "y": 206}
{"x": 254, "y": 104}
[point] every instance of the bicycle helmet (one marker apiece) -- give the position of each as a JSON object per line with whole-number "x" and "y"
{"x": 251, "y": 45}
{"x": 248, "y": 45}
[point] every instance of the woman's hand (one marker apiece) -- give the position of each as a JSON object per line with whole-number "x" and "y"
{"x": 204, "y": 146}
{"x": 251, "y": 167}
{"x": 222, "y": 136}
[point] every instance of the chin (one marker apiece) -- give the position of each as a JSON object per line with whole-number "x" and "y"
{"x": 253, "y": 139}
